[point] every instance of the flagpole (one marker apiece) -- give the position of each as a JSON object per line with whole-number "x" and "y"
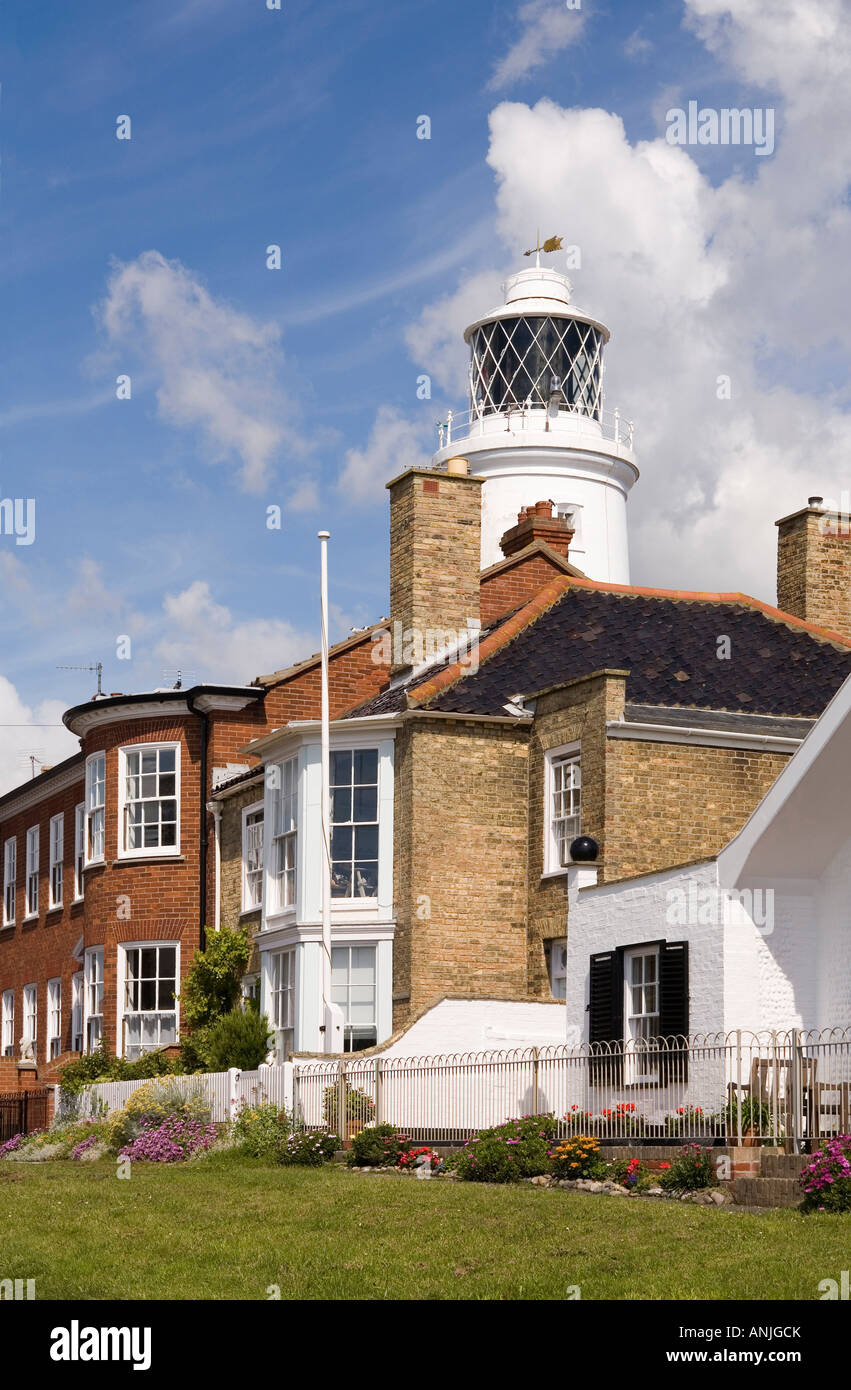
{"x": 328, "y": 1040}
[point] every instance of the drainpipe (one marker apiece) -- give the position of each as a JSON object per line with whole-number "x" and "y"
{"x": 215, "y": 809}
{"x": 202, "y": 801}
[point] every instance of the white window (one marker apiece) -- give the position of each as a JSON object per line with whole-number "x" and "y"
{"x": 95, "y": 807}
{"x": 564, "y": 805}
{"x": 30, "y": 1014}
{"x": 32, "y": 871}
{"x": 558, "y": 968}
{"x": 354, "y": 823}
{"x": 79, "y": 849}
{"x": 93, "y": 998}
{"x": 252, "y": 857}
{"x": 7, "y": 1023}
{"x": 250, "y": 992}
{"x": 150, "y": 986}
{"x": 285, "y": 834}
{"x": 282, "y": 981}
{"x": 10, "y": 874}
{"x": 77, "y": 1011}
{"x": 640, "y": 1011}
{"x": 54, "y": 1018}
{"x": 150, "y": 796}
{"x": 57, "y": 854}
{"x": 353, "y": 988}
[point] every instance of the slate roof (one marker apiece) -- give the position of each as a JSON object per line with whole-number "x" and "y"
{"x": 666, "y": 640}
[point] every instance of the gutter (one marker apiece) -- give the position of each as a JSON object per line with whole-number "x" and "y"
{"x": 707, "y": 738}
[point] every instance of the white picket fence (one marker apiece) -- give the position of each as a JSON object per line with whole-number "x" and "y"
{"x": 770, "y": 1086}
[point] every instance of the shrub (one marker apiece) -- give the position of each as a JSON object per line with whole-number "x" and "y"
{"x": 99, "y": 1065}
{"x": 579, "y": 1121}
{"x": 578, "y": 1158}
{"x": 237, "y": 1040}
{"x": 692, "y": 1169}
{"x": 11, "y": 1145}
{"x": 688, "y": 1119}
{"x": 211, "y": 989}
{"x": 511, "y": 1151}
{"x": 150, "y": 1105}
{"x": 826, "y": 1179}
{"x": 622, "y": 1119}
{"x": 261, "y": 1131}
{"x": 378, "y": 1146}
{"x": 172, "y": 1141}
{"x": 412, "y": 1159}
{"x": 309, "y": 1147}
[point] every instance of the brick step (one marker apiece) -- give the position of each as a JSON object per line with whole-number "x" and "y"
{"x": 767, "y": 1192}
{"x": 782, "y": 1165}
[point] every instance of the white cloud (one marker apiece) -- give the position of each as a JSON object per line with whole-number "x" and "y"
{"x": 395, "y": 443}
{"x": 637, "y": 46}
{"x": 24, "y": 730}
{"x": 744, "y": 277}
{"x": 218, "y": 369}
{"x": 547, "y": 27}
{"x": 205, "y": 637}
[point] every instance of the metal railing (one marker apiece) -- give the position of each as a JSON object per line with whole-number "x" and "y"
{"x": 736, "y": 1088}
{"x": 473, "y": 424}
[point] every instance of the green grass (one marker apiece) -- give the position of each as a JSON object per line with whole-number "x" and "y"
{"x": 227, "y": 1228}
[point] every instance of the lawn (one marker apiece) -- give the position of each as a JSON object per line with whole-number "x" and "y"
{"x": 227, "y": 1228}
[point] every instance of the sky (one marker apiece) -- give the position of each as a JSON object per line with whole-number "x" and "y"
{"x": 163, "y": 386}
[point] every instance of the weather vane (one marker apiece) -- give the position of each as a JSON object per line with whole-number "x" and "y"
{"x": 552, "y": 243}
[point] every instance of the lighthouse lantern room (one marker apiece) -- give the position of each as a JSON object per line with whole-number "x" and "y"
{"x": 536, "y": 426}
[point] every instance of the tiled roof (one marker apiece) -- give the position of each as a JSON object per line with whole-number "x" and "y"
{"x": 668, "y": 641}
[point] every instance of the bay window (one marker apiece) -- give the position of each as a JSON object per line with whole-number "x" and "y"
{"x": 149, "y": 800}
{"x": 95, "y": 807}
{"x": 10, "y": 874}
{"x": 252, "y": 858}
{"x": 150, "y": 986}
{"x": 354, "y": 823}
{"x": 7, "y": 1023}
{"x": 282, "y": 986}
{"x": 285, "y": 833}
{"x": 353, "y": 987}
{"x": 32, "y": 871}
{"x": 54, "y": 1018}
{"x": 93, "y": 997}
{"x": 57, "y": 854}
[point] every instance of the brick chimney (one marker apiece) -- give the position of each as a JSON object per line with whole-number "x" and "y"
{"x": 814, "y": 565}
{"x": 537, "y": 523}
{"x": 435, "y": 556}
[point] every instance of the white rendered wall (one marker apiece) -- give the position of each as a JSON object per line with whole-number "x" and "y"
{"x": 479, "y": 1025}
{"x": 833, "y": 984}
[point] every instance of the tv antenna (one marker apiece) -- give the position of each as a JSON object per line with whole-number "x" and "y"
{"x": 33, "y": 756}
{"x": 179, "y": 679}
{"x": 98, "y": 668}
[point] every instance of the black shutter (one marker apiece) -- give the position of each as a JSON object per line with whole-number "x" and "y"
{"x": 606, "y": 1017}
{"x": 673, "y": 1010}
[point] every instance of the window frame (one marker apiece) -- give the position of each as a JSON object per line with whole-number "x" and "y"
{"x": 558, "y": 944}
{"x": 282, "y": 999}
{"x": 33, "y": 851}
{"x": 79, "y": 851}
{"x": 348, "y": 1027}
{"x": 56, "y": 856}
{"x": 95, "y": 955}
{"x": 553, "y": 758}
{"x": 95, "y": 811}
{"x": 256, "y": 807}
{"x": 10, "y": 880}
{"x": 635, "y": 1073}
{"x": 123, "y": 1012}
{"x": 362, "y": 899}
{"x": 30, "y": 992}
{"x": 78, "y": 989}
{"x": 7, "y": 1023}
{"x": 147, "y": 851}
{"x": 54, "y": 1019}
{"x": 281, "y": 863}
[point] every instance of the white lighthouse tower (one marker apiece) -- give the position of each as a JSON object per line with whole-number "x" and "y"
{"x": 536, "y": 427}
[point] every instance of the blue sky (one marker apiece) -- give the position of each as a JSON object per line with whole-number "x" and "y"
{"x": 298, "y": 127}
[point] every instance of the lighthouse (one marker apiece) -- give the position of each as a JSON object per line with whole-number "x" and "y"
{"x": 536, "y": 427}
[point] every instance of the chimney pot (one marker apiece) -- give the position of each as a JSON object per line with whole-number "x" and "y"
{"x": 458, "y": 467}
{"x": 814, "y": 501}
